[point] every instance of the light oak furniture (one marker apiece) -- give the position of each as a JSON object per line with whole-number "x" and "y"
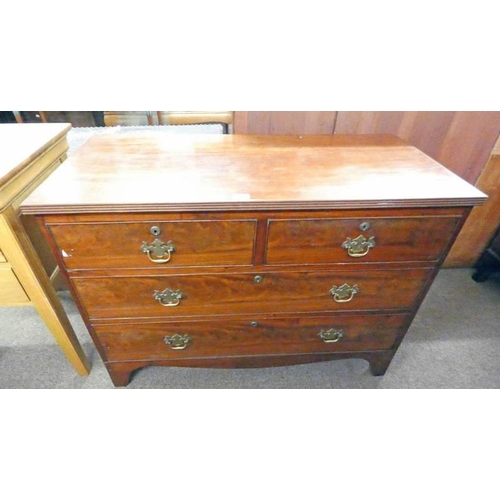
{"x": 28, "y": 154}
{"x": 245, "y": 251}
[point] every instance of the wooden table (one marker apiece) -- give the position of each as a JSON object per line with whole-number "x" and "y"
{"x": 249, "y": 251}
{"x": 29, "y": 153}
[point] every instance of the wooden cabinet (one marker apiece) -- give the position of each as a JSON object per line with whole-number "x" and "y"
{"x": 28, "y": 154}
{"x": 237, "y": 251}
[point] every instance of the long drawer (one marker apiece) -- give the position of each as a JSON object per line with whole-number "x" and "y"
{"x": 154, "y": 243}
{"x": 249, "y": 293}
{"x": 240, "y": 338}
{"x": 355, "y": 240}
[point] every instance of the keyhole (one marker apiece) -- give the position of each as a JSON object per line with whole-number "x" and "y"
{"x": 155, "y": 230}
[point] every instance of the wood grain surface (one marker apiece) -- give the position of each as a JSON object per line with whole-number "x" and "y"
{"x": 284, "y": 122}
{"x": 483, "y": 220}
{"x": 395, "y": 239}
{"x": 11, "y": 291}
{"x": 239, "y": 293}
{"x": 160, "y": 172}
{"x": 108, "y": 244}
{"x": 249, "y": 337}
{"x": 459, "y": 140}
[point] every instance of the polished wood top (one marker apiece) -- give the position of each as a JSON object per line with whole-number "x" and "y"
{"x": 157, "y": 172}
{"x": 21, "y": 143}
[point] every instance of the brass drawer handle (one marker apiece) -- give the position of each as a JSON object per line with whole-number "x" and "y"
{"x": 177, "y": 341}
{"x": 158, "y": 251}
{"x": 330, "y": 335}
{"x": 358, "y": 247}
{"x": 344, "y": 293}
{"x": 168, "y": 298}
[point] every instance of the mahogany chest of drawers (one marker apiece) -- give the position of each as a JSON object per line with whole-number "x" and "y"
{"x": 249, "y": 251}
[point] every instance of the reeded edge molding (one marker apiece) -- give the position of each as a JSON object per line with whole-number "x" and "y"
{"x": 248, "y": 206}
{"x": 62, "y": 130}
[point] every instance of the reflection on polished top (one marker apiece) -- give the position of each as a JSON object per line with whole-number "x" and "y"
{"x": 157, "y": 172}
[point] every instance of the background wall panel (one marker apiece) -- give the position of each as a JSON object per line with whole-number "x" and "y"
{"x": 460, "y": 140}
{"x": 483, "y": 220}
{"x": 284, "y": 122}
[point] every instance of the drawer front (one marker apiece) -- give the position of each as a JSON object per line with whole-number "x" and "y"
{"x": 392, "y": 239}
{"x": 2, "y": 257}
{"x": 11, "y": 291}
{"x": 118, "y": 245}
{"x": 222, "y": 294}
{"x": 246, "y": 338}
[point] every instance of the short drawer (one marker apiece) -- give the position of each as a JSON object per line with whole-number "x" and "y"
{"x": 247, "y": 293}
{"x": 2, "y": 257}
{"x": 253, "y": 337}
{"x": 372, "y": 239}
{"x": 11, "y": 291}
{"x": 155, "y": 243}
